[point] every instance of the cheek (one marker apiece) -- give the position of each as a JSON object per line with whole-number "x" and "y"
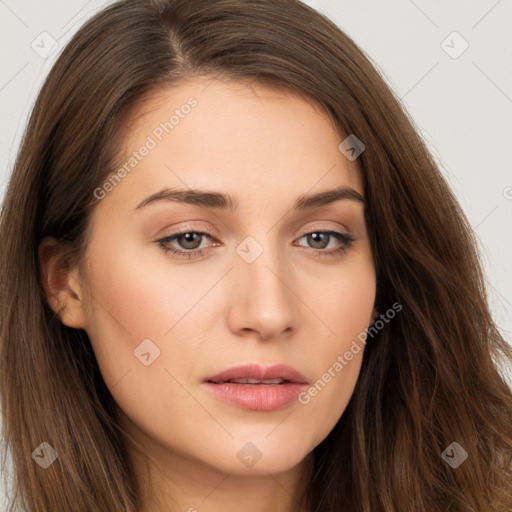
{"x": 345, "y": 308}
{"x": 137, "y": 291}
{"x": 343, "y": 298}
{"x": 142, "y": 314}
{"x": 143, "y": 304}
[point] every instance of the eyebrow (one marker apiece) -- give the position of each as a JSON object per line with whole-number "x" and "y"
{"x": 217, "y": 200}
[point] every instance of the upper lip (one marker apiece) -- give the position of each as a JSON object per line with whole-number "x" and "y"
{"x": 283, "y": 371}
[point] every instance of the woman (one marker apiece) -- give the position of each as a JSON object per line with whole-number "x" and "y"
{"x": 234, "y": 278}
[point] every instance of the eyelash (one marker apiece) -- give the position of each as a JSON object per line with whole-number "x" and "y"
{"x": 346, "y": 240}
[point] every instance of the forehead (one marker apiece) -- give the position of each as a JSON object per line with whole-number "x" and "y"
{"x": 230, "y": 136}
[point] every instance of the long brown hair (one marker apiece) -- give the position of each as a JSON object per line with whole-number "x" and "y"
{"x": 429, "y": 378}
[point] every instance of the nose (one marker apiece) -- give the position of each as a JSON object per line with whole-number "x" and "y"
{"x": 263, "y": 303}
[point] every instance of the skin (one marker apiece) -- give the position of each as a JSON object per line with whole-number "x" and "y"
{"x": 266, "y": 147}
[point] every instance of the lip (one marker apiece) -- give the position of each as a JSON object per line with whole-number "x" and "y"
{"x": 257, "y": 397}
{"x": 256, "y": 371}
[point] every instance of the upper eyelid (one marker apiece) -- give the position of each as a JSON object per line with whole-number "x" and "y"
{"x": 212, "y": 233}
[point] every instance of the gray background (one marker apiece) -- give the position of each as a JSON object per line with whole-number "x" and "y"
{"x": 462, "y": 104}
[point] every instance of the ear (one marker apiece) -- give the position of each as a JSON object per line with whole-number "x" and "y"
{"x": 60, "y": 284}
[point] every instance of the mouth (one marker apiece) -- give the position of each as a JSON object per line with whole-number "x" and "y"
{"x": 251, "y": 381}
{"x": 256, "y": 387}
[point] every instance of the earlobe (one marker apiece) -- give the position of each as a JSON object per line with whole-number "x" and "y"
{"x": 60, "y": 284}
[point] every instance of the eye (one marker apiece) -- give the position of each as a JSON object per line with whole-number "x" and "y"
{"x": 190, "y": 243}
{"x": 320, "y": 240}
{"x": 188, "y": 240}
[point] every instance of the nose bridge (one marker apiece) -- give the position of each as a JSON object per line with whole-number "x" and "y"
{"x": 261, "y": 264}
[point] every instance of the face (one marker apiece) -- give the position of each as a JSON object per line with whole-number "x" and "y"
{"x": 258, "y": 282}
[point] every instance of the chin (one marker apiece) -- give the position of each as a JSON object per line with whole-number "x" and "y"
{"x": 260, "y": 456}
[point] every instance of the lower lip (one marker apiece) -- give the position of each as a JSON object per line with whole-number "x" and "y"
{"x": 257, "y": 397}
